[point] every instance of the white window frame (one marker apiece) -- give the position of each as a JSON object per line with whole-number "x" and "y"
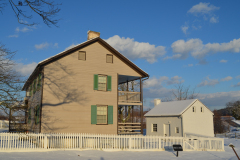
{"x": 194, "y": 109}
{"x": 154, "y": 127}
{"x": 202, "y": 110}
{"x": 176, "y": 129}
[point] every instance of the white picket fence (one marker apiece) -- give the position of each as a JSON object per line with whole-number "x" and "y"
{"x": 4, "y": 124}
{"x": 33, "y": 141}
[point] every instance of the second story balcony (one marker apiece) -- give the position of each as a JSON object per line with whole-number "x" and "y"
{"x": 129, "y": 90}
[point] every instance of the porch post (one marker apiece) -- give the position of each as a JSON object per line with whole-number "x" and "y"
{"x": 141, "y": 107}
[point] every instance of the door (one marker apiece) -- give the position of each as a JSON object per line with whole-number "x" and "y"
{"x": 167, "y": 130}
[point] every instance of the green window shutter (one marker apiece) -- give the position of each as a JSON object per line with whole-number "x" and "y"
{"x": 38, "y": 114}
{"x": 29, "y": 115}
{"x": 31, "y": 90}
{"x": 95, "y": 82}
{"x": 93, "y": 114}
{"x": 39, "y": 81}
{"x": 34, "y": 86}
{"x": 110, "y": 114}
{"x": 109, "y": 83}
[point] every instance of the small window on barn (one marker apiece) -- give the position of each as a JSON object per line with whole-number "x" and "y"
{"x": 177, "y": 130}
{"x": 82, "y": 55}
{"x": 201, "y": 109}
{"x": 193, "y": 109}
{"x": 154, "y": 127}
{"x": 109, "y": 58}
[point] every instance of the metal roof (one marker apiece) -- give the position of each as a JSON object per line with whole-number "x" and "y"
{"x": 172, "y": 108}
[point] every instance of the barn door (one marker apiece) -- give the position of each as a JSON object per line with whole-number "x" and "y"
{"x": 167, "y": 130}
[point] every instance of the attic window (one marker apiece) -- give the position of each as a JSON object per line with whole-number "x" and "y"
{"x": 82, "y": 55}
{"x": 201, "y": 109}
{"x": 193, "y": 109}
{"x": 109, "y": 58}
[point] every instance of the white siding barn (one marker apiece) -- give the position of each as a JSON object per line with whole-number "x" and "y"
{"x": 179, "y": 118}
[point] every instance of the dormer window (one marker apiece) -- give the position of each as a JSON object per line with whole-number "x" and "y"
{"x": 109, "y": 58}
{"x": 82, "y": 55}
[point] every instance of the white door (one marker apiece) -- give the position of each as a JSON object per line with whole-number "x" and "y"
{"x": 167, "y": 130}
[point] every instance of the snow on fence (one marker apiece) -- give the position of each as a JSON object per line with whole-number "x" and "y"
{"x": 4, "y": 124}
{"x": 38, "y": 141}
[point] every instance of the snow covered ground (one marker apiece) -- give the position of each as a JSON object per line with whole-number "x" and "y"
{"x": 121, "y": 155}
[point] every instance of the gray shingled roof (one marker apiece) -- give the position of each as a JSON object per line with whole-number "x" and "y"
{"x": 171, "y": 108}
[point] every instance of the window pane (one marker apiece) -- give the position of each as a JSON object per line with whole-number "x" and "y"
{"x": 101, "y": 114}
{"x": 102, "y": 83}
{"x": 154, "y": 127}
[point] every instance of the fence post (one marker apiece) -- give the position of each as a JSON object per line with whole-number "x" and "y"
{"x": 130, "y": 142}
{"x": 210, "y": 145}
{"x": 45, "y": 141}
{"x": 159, "y": 141}
{"x": 183, "y": 144}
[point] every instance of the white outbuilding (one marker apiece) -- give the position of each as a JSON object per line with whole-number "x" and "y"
{"x": 179, "y": 118}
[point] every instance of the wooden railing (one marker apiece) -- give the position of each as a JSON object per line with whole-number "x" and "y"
{"x": 129, "y": 128}
{"x": 131, "y": 97}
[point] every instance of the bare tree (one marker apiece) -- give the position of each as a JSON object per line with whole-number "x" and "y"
{"x": 234, "y": 108}
{"x": 182, "y": 92}
{"x": 218, "y": 124}
{"x": 10, "y": 81}
{"x": 23, "y": 10}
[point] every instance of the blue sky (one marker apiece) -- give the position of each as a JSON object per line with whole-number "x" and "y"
{"x": 196, "y": 43}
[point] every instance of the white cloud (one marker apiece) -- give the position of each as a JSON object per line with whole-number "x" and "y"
{"x": 42, "y": 46}
{"x": 175, "y": 80}
{"x": 236, "y": 85}
{"x": 25, "y": 69}
{"x": 219, "y": 99}
{"x": 15, "y": 36}
{"x": 228, "y": 78}
{"x": 197, "y": 49}
{"x": 208, "y": 82}
{"x": 24, "y": 29}
{"x": 154, "y": 82}
{"x": 71, "y": 46}
{"x": 184, "y": 29}
{"x": 203, "y": 8}
{"x": 214, "y": 19}
{"x": 223, "y": 61}
{"x": 134, "y": 50}
{"x": 55, "y": 45}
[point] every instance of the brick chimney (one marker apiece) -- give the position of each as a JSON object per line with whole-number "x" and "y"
{"x": 92, "y": 34}
{"x": 157, "y": 102}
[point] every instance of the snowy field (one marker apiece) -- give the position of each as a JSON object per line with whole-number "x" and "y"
{"x": 121, "y": 155}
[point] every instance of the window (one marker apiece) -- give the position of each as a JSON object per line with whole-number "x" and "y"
{"x": 201, "y": 109}
{"x": 82, "y": 55}
{"x": 37, "y": 114}
{"x": 102, "y": 83}
{"x": 39, "y": 81}
{"x": 177, "y": 130}
{"x": 29, "y": 115}
{"x": 154, "y": 127}
{"x": 101, "y": 114}
{"x": 193, "y": 109}
{"x": 109, "y": 58}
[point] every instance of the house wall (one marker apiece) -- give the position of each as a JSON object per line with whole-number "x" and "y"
{"x": 161, "y": 121}
{"x": 33, "y": 101}
{"x": 199, "y": 123}
{"x": 68, "y": 91}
